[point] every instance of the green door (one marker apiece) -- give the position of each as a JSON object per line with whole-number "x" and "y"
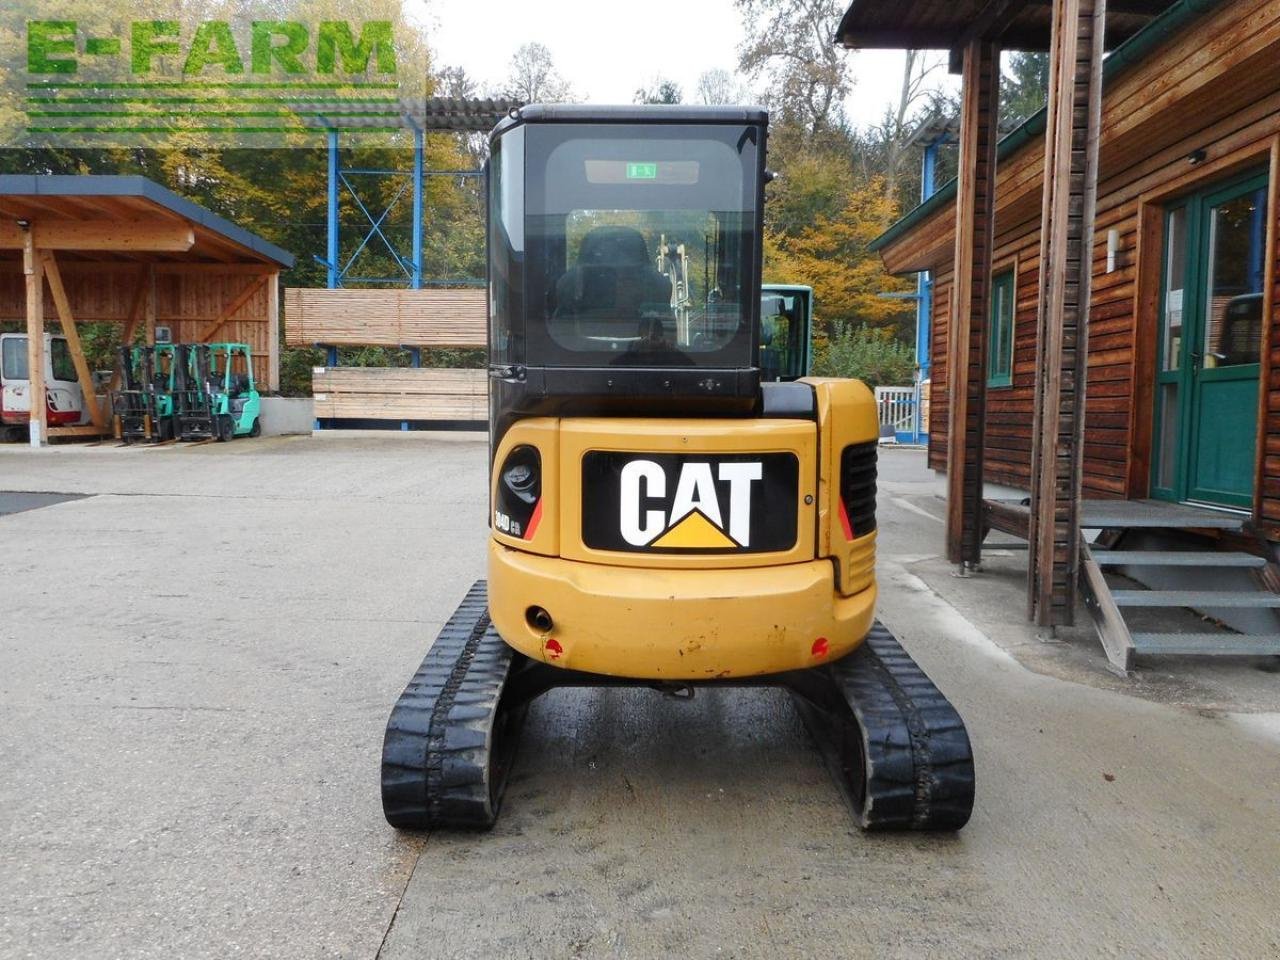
{"x": 1210, "y": 343}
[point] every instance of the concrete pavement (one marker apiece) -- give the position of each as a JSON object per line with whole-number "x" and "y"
{"x": 196, "y": 664}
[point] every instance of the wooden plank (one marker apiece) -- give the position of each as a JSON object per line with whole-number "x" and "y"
{"x": 416, "y": 318}
{"x": 229, "y": 310}
{"x": 968, "y": 337}
{"x": 149, "y": 306}
{"x": 114, "y": 235}
{"x": 90, "y": 396}
{"x": 400, "y": 393}
{"x": 33, "y": 272}
{"x": 273, "y": 332}
{"x": 1117, "y": 642}
{"x": 82, "y": 430}
{"x": 131, "y": 325}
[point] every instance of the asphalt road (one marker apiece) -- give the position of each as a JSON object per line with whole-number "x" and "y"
{"x": 196, "y": 666}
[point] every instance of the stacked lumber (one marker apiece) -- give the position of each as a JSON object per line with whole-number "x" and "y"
{"x": 385, "y": 318}
{"x": 400, "y": 393}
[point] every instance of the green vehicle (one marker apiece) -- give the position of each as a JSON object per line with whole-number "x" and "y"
{"x": 218, "y": 399}
{"x": 143, "y": 408}
{"x": 786, "y": 331}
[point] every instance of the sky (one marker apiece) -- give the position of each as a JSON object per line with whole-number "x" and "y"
{"x": 606, "y": 50}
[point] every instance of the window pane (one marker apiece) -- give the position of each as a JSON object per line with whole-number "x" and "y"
{"x": 1000, "y": 363}
{"x": 1175, "y": 267}
{"x": 640, "y": 248}
{"x": 781, "y": 329}
{"x": 1167, "y": 430}
{"x": 60, "y": 358}
{"x": 1233, "y": 294}
{"x": 15, "y": 358}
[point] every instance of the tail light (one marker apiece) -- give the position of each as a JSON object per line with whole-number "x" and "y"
{"x": 858, "y": 489}
{"x": 518, "y": 509}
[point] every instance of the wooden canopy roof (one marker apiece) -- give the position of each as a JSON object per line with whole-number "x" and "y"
{"x": 949, "y": 24}
{"x": 122, "y": 218}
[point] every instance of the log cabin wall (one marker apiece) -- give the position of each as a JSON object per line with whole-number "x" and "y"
{"x": 1214, "y": 87}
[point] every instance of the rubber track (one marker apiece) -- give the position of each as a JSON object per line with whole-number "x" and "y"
{"x": 449, "y": 744}
{"x": 917, "y": 760}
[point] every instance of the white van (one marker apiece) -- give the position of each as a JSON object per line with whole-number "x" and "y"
{"x": 63, "y": 398}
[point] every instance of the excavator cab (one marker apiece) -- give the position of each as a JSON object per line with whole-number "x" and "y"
{"x": 662, "y": 513}
{"x": 786, "y": 331}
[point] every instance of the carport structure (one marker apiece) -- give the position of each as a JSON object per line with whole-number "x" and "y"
{"x": 125, "y": 250}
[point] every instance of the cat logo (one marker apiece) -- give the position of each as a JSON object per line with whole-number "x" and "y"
{"x": 695, "y": 520}
{"x": 682, "y": 503}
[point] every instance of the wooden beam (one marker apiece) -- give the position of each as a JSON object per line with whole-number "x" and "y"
{"x": 149, "y": 306}
{"x": 34, "y": 277}
{"x": 84, "y": 430}
{"x": 1066, "y": 275}
{"x": 967, "y": 341}
{"x": 68, "y": 320}
{"x": 992, "y": 21}
{"x": 119, "y": 235}
{"x": 273, "y": 333}
{"x": 245, "y": 295}
{"x": 131, "y": 325}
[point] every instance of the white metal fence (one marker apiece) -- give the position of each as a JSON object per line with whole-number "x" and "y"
{"x": 897, "y": 409}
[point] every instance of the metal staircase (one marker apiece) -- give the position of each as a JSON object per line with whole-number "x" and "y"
{"x": 1229, "y": 586}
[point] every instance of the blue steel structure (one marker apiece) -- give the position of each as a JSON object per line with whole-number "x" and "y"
{"x": 444, "y": 114}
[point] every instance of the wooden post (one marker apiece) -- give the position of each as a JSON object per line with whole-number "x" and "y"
{"x": 273, "y": 333}
{"x": 967, "y": 344}
{"x": 69, "y": 330}
{"x": 1066, "y": 267}
{"x": 39, "y": 426}
{"x": 149, "y": 306}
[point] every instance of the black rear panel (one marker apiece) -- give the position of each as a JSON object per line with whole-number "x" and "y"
{"x": 858, "y": 486}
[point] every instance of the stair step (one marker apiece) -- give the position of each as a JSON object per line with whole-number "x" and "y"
{"x": 1176, "y": 558}
{"x": 1200, "y": 599}
{"x": 1154, "y": 514}
{"x": 1207, "y": 644}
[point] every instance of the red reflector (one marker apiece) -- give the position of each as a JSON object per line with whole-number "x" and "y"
{"x": 819, "y": 648}
{"x": 844, "y": 521}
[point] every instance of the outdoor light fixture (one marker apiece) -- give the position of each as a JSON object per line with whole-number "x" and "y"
{"x": 1196, "y": 156}
{"x": 1113, "y": 247}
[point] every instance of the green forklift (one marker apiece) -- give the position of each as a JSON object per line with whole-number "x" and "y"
{"x": 143, "y": 408}
{"x": 219, "y": 399}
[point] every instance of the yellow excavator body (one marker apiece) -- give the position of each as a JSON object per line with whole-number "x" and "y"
{"x": 652, "y": 566}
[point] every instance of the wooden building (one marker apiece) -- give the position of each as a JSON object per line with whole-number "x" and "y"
{"x": 125, "y": 250}
{"x": 1104, "y": 281}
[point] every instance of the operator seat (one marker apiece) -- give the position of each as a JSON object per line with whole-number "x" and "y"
{"x": 613, "y": 285}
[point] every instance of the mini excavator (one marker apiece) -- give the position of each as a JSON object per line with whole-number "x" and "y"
{"x": 661, "y": 515}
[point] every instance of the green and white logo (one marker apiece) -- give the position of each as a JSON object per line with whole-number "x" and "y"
{"x": 221, "y": 83}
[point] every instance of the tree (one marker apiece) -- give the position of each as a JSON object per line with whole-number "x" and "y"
{"x": 895, "y": 129}
{"x": 534, "y": 77}
{"x": 1024, "y": 84}
{"x": 871, "y": 356}
{"x": 789, "y": 43}
{"x": 660, "y": 91}
{"x": 831, "y": 255}
{"x": 720, "y": 86}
